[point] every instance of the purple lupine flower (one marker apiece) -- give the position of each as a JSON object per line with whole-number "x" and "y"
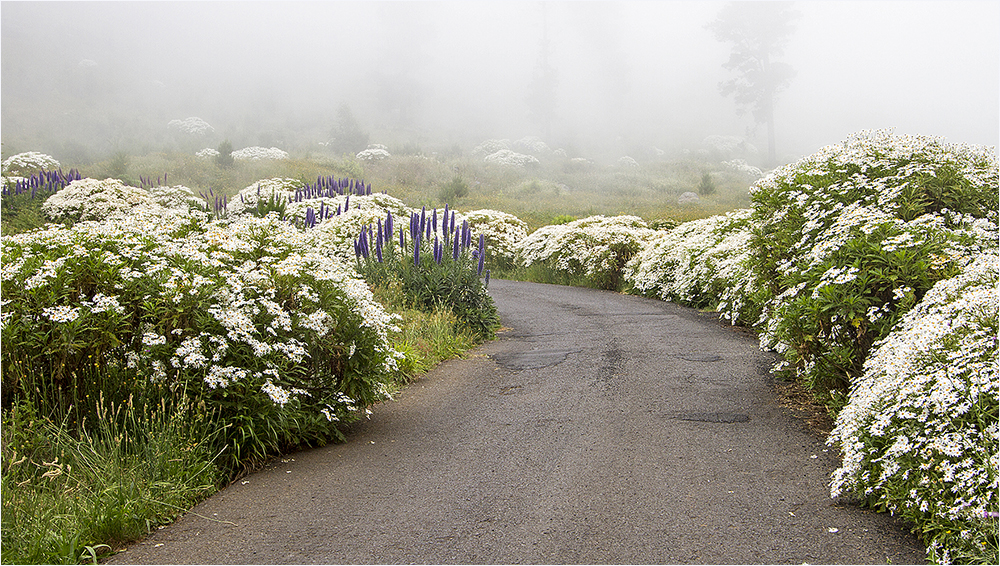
{"x": 466, "y": 235}
{"x": 416, "y": 252}
{"x": 455, "y": 246}
{"x": 378, "y": 247}
{"x": 437, "y": 250}
{"x": 434, "y": 220}
{"x": 347, "y": 203}
{"x": 486, "y": 280}
{"x": 402, "y": 240}
{"x": 423, "y": 218}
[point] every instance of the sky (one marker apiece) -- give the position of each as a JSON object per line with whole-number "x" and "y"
{"x": 98, "y": 77}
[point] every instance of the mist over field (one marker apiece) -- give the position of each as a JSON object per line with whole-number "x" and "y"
{"x": 83, "y": 80}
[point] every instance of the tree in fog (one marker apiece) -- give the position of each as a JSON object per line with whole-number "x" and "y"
{"x": 541, "y": 98}
{"x": 757, "y": 32}
{"x": 347, "y": 135}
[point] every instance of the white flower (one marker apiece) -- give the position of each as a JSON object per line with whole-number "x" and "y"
{"x": 61, "y": 313}
{"x": 192, "y": 125}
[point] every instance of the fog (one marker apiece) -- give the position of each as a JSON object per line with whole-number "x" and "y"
{"x": 82, "y": 79}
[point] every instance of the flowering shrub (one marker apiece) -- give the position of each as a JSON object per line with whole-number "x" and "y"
{"x": 24, "y": 164}
{"x": 848, "y": 239}
{"x": 504, "y": 233}
{"x": 245, "y": 315}
{"x": 374, "y": 152}
{"x": 256, "y": 153}
{"x": 529, "y": 144}
{"x": 596, "y": 247}
{"x": 177, "y": 198}
{"x": 626, "y": 162}
{"x": 508, "y": 158}
{"x": 919, "y": 435}
{"x": 208, "y": 153}
{"x": 489, "y": 147}
{"x": 90, "y": 199}
{"x": 192, "y": 125}
{"x": 701, "y": 263}
{"x": 741, "y": 166}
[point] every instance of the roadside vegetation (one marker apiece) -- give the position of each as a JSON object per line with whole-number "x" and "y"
{"x": 164, "y": 337}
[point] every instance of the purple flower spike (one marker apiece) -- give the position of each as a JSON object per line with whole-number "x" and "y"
{"x": 416, "y": 252}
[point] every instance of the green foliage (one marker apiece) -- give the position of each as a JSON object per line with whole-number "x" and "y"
{"x": 347, "y": 135}
{"x": 117, "y": 166}
{"x": 225, "y": 157}
{"x": 455, "y": 189}
{"x": 707, "y": 185}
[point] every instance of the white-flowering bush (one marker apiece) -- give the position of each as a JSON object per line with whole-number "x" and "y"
{"x": 626, "y": 162}
{"x": 245, "y": 314}
{"x": 596, "y": 247}
{"x": 27, "y": 163}
{"x": 700, "y": 263}
{"x": 848, "y": 239}
{"x": 178, "y": 197}
{"x": 256, "y": 153}
{"x": 374, "y": 152}
{"x": 489, "y": 147}
{"x": 208, "y": 153}
{"x": 529, "y": 144}
{"x": 508, "y": 158}
{"x": 193, "y": 125}
{"x": 90, "y": 199}
{"x": 504, "y": 233}
{"x": 741, "y": 166}
{"x": 920, "y": 433}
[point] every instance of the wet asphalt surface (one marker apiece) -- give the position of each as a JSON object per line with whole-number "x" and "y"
{"x": 598, "y": 428}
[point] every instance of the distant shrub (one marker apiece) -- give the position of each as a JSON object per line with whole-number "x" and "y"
{"x": 91, "y": 199}
{"x": 504, "y": 234}
{"x": 453, "y": 190}
{"x": 224, "y": 155}
{"x": 374, "y": 152}
{"x": 192, "y": 125}
{"x": 595, "y": 247}
{"x": 699, "y": 263}
{"x": 508, "y": 158}
{"x": 256, "y": 153}
{"x": 707, "y": 185}
{"x": 27, "y": 163}
{"x": 489, "y": 147}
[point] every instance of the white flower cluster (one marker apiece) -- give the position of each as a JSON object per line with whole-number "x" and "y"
{"x": 489, "y": 147}
{"x": 90, "y": 199}
{"x": 374, "y": 152}
{"x": 920, "y": 432}
{"x": 626, "y": 162}
{"x": 530, "y": 144}
{"x": 596, "y": 247}
{"x": 27, "y": 163}
{"x": 504, "y": 233}
{"x": 178, "y": 198}
{"x": 508, "y": 158}
{"x": 741, "y": 166}
{"x": 697, "y": 263}
{"x": 207, "y": 153}
{"x": 257, "y": 153}
{"x": 192, "y": 125}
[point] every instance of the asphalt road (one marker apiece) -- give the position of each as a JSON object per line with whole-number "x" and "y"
{"x": 598, "y": 428}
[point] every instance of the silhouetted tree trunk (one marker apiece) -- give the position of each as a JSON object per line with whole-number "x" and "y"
{"x": 757, "y": 31}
